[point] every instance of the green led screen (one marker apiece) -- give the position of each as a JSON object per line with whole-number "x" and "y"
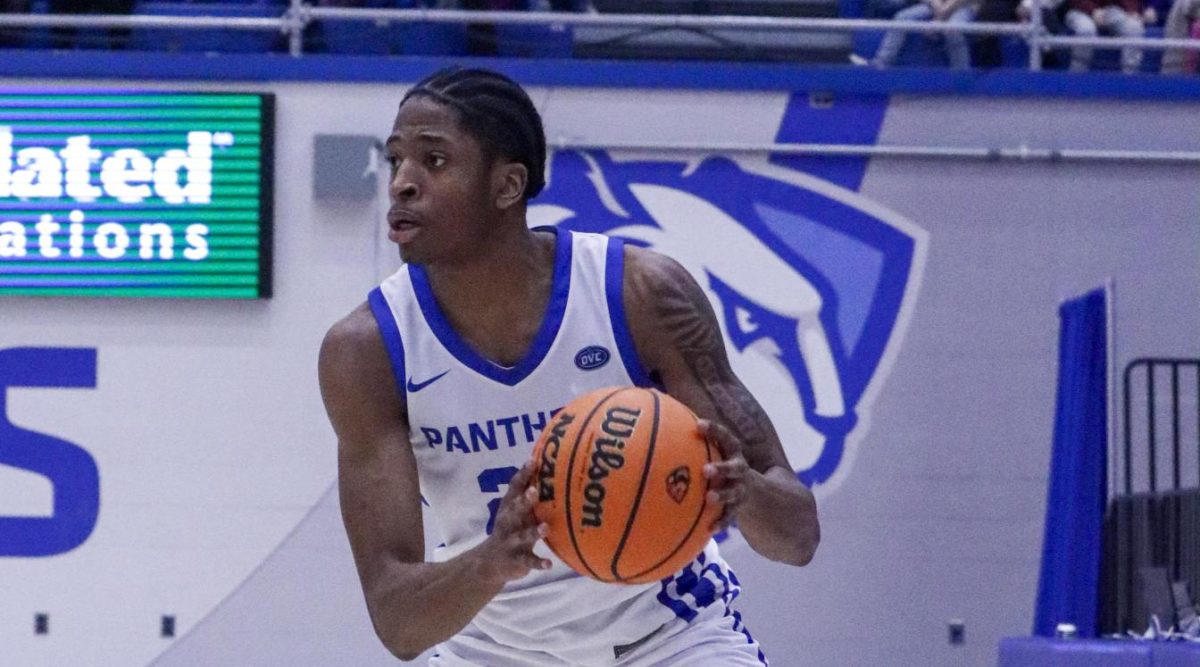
{"x": 135, "y": 194}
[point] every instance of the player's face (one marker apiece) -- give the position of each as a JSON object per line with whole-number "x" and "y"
{"x": 440, "y": 187}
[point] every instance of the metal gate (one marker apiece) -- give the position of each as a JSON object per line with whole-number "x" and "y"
{"x": 1152, "y": 524}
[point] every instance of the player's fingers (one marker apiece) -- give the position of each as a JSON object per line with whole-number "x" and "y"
{"x": 723, "y": 524}
{"x": 531, "y": 534}
{"x": 515, "y": 513}
{"x": 716, "y": 478}
{"x": 519, "y": 503}
{"x": 723, "y": 472}
{"x": 516, "y": 507}
{"x": 520, "y": 481}
{"x": 535, "y": 562}
{"x": 514, "y": 510}
{"x": 520, "y": 508}
{"x": 727, "y": 442}
{"x": 730, "y": 496}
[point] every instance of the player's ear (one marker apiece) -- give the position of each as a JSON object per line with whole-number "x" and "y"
{"x": 509, "y": 181}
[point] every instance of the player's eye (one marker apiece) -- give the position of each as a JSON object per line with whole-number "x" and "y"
{"x": 393, "y": 163}
{"x": 435, "y": 160}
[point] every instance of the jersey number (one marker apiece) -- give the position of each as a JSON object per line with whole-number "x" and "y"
{"x": 490, "y": 481}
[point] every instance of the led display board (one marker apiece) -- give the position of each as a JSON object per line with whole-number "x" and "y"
{"x": 135, "y": 194}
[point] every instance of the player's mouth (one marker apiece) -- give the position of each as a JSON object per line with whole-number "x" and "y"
{"x": 403, "y": 227}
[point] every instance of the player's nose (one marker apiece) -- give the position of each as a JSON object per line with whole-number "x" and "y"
{"x": 403, "y": 186}
{"x": 406, "y": 191}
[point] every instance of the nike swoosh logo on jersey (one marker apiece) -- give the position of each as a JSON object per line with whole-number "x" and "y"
{"x": 414, "y": 387}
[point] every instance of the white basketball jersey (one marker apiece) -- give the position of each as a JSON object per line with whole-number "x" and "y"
{"x": 473, "y": 424}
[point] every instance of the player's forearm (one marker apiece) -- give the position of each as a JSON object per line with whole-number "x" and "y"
{"x": 415, "y": 606}
{"x": 779, "y": 517}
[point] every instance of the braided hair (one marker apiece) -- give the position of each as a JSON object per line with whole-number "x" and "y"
{"x": 497, "y": 112}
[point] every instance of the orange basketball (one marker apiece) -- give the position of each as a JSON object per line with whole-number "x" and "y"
{"x": 620, "y": 483}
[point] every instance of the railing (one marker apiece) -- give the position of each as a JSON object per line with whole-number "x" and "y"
{"x": 299, "y": 15}
{"x": 1157, "y": 431}
{"x": 1152, "y": 526}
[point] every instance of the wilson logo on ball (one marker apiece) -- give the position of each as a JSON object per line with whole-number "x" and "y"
{"x": 678, "y": 482}
{"x": 618, "y": 425}
{"x": 592, "y": 357}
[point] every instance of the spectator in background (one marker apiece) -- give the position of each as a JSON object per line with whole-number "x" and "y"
{"x": 482, "y": 39}
{"x": 885, "y": 9}
{"x": 986, "y": 51}
{"x": 1161, "y": 9}
{"x": 951, "y": 11}
{"x": 12, "y": 36}
{"x": 1123, "y": 18}
{"x": 66, "y": 38}
{"x": 1054, "y": 21}
{"x": 1181, "y": 24}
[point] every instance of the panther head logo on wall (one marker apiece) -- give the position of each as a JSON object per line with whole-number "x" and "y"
{"x": 811, "y": 282}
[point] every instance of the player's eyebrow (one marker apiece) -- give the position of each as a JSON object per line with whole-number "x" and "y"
{"x": 434, "y": 136}
{"x": 427, "y": 136}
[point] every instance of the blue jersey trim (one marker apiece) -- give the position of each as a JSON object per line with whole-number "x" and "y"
{"x": 614, "y": 272}
{"x": 391, "y": 336}
{"x": 739, "y": 626}
{"x": 551, "y": 321}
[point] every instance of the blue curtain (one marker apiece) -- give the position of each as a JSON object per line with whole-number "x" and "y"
{"x": 1068, "y": 590}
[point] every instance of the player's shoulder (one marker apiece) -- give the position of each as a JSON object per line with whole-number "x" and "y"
{"x": 651, "y": 277}
{"x": 660, "y": 297}
{"x": 353, "y": 341}
{"x": 354, "y": 373}
{"x": 646, "y": 267}
{"x": 357, "y": 327}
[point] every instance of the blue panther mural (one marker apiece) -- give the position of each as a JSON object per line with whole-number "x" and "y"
{"x": 810, "y": 280}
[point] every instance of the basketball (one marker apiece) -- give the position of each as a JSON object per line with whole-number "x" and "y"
{"x": 620, "y": 483}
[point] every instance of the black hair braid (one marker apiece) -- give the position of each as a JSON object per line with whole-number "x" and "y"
{"x": 497, "y": 112}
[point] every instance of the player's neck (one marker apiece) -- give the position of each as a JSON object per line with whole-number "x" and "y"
{"x": 496, "y": 301}
{"x": 514, "y": 259}
{"x": 508, "y": 256}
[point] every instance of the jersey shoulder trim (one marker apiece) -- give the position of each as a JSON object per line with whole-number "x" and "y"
{"x": 390, "y": 331}
{"x": 614, "y": 282}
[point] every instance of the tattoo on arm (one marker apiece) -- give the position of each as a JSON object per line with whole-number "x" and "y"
{"x": 687, "y": 317}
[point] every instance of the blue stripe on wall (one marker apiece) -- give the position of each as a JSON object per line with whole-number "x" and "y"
{"x": 859, "y": 118}
{"x": 225, "y": 68}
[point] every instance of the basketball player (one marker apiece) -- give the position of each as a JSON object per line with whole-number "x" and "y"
{"x": 438, "y": 385}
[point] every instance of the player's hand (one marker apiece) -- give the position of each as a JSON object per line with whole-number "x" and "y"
{"x": 508, "y": 551}
{"x": 726, "y": 479}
